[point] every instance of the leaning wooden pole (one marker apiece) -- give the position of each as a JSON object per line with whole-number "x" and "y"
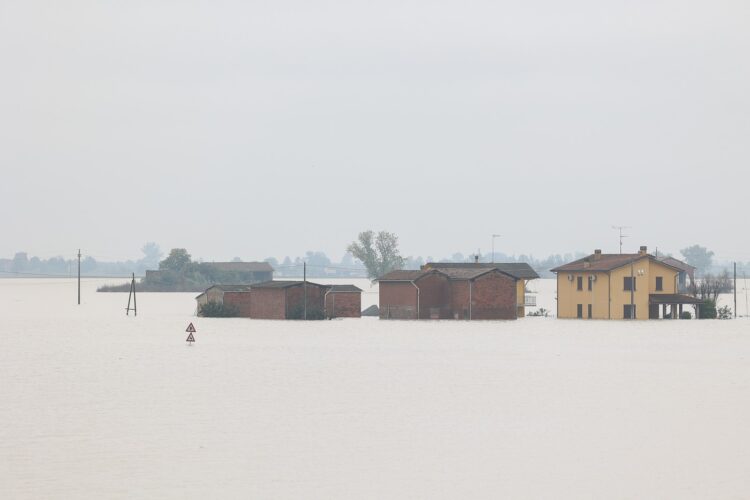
{"x": 135, "y": 303}
{"x": 131, "y": 295}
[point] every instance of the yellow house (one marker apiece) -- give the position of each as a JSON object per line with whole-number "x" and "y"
{"x": 619, "y": 286}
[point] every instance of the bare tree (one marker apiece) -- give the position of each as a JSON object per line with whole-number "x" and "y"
{"x": 379, "y": 253}
{"x": 709, "y": 286}
{"x": 708, "y": 289}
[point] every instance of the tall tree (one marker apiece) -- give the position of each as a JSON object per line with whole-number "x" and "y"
{"x": 177, "y": 259}
{"x": 379, "y": 253}
{"x": 151, "y": 255}
{"x": 699, "y": 257}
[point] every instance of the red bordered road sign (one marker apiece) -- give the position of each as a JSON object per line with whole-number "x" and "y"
{"x": 190, "y": 328}
{"x": 190, "y": 337}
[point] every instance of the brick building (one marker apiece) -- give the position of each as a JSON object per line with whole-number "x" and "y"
{"x": 286, "y": 300}
{"x": 236, "y": 295}
{"x": 519, "y": 270}
{"x": 343, "y": 301}
{"x": 449, "y": 293}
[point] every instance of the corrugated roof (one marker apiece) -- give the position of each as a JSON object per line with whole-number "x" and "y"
{"x": 344, "y": 288}
{"x": 240, "y": 267}
{"x": 520, "y": 270}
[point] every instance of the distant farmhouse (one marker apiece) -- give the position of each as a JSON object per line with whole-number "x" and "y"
{"x": 198, "y": 275}
{"x": 456, "y": 291}
{"x": 277, "y": 299}
{"x": 622, "y": 286}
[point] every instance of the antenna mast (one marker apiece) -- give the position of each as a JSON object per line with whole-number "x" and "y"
{"x": 620, "y": 228}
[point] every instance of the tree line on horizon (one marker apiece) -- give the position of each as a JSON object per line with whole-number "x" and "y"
{"x": 370, "y": 255}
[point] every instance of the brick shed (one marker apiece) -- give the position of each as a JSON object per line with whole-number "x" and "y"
{"x": 485, "y": 293}
{"x": 286, "y": 299}
{"x": 237, "y": 295}
{"x": 519, "y": 270}
{"x": 343, "y": 301}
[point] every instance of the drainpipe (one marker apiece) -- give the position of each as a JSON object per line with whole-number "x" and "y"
{"x": 470, "y": 283}
{"x": 415, "y": 286}
{"x": 325, "y": 302}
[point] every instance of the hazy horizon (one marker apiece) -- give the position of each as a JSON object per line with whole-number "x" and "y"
{"x": 257, "y": 130}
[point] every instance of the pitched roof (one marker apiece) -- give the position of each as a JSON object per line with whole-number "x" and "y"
{"x": 227, "y": 288}
{"x": 344, "y": 288}
{"x": 233, "y": 288}
{"x": 240, "y": 267}
{"x": 453, "y": 273}
{"x": 402, "y": 275}
{"x": 282, "y": 284}
{"x": 682, "y": 266}
{"x": 470, "y": 273}
{"x": 519, "y": 270}
{"x": 605, "y": 262}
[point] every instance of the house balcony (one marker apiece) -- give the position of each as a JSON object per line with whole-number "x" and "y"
{"x": 529, "y": 301}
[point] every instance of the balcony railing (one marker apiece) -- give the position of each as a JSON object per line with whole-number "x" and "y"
{"x": 529, "y": 301}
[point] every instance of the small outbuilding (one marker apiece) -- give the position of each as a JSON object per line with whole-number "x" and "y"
{"x": 343, "y": 301}
{"x": 235, "y": 295}
{"x": 286, "y": 300}
{"x": 449, "y": 293}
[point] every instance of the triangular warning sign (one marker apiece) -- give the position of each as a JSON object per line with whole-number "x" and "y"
{"x": 190, "y": 328}
{"x": 190, "y": 338}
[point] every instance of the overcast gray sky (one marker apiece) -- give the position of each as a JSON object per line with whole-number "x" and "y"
{"x": 269, "y": 128}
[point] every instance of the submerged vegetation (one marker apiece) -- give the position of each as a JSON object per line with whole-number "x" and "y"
{"x": 218, "y": 310}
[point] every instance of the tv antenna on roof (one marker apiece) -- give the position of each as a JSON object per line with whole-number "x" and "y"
{"x": 620, "y": 228}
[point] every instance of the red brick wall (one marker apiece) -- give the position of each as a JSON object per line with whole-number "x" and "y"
{"x": 460, "y": 299}
{"x": 434, "y": 297}
{"x": 397, "y": 300}
{"x": 344, "y": 305}
{"x": 241, "y": 300}
{"x": 295, "y": 297}
{"x": 267, "y": 303}
{"x": 493, "y": 296}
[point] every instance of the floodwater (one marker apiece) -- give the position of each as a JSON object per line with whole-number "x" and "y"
{"x": 94, "y": 404}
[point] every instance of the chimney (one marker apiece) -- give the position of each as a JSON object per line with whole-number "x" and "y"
{"x": 597, "y": 254}
{"x": 643, "y": 250}
{"x": 476, "y": 259}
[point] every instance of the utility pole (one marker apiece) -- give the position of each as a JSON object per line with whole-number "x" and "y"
{"x": 304, "y": 286}
{"x": 79, "y": 276}
{"x": 632, "y": 292}
{"x": 735, "y": 289}
{"x": 620, "y": 228}
{"x": 493, "y": 246}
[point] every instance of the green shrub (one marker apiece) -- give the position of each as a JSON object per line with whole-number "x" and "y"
{"x": 539, "y": 312}
{"x": 686, "y": 315}
{"x": 707, "y": 309}
{"x": 312, "y": 313}
{"x": 724, "y": 313}
{"x": 218, "y": 310}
